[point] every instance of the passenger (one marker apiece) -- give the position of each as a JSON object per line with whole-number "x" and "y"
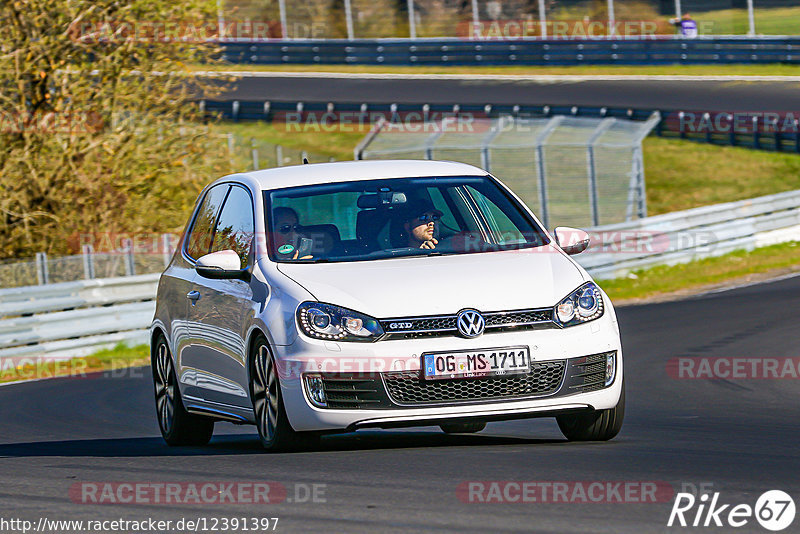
{"x": 419, "y": 224}
{"x": 285, "y": 233}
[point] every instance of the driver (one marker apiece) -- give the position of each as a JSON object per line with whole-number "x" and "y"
{"x": 285, "y": 234}
{"x": 419, "y": 224}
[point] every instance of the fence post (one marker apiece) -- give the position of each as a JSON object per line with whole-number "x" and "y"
{"x": 412, "y": 23}
{"x": 750, "y": 19}
{"x": 166, "y": 248}
{"x": 348, "y": 13}
{"x": 88, "y": 261}
{"x": 284, "y": 26}
{"x": 542, "y": 19}
{"x": 611, "y": 17}
{"x": 42, "y": 273}
{"x": 254, "y": 153}
{"x": 231, "y": 150}
{"x": 130, "y": 265}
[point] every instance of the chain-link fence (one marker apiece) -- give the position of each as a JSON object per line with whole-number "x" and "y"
{"x": 493, "y": 19}
{"x": 133, "y": 257}
{"x": 572, "y": 171}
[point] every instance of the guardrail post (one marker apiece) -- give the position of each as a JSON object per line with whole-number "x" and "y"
{"x": 732, "y": 134}
{"x": 681, "y": 130}
{"x": 42, "y": 273}
{"x": 235, "y": 110}
{"x": 88, "y": 261}
{"x": 279, "y": 155}
{"x": 707, "y": 120}
{"x": 756, "y": 134}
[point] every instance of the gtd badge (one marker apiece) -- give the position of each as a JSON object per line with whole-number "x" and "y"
{"x": 470, "y": 323}
{"x": 400, "y": 326}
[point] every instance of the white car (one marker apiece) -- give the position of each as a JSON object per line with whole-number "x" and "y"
{"x": 334, "y": 297}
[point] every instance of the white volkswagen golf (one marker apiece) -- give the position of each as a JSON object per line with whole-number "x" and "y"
{"x": 334, "y": 297}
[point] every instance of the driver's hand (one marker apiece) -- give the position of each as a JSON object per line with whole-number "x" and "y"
{"x": 431, "y": 243}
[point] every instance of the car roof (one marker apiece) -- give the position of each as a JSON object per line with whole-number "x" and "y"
{"x": 346, "y": 171}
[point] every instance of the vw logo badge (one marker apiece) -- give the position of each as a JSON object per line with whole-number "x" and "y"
{"x": 470, "y": 323}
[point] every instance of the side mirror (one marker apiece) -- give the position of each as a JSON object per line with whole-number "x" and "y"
{"x": 224, "y": 264}
{"x": 571, "y": 240}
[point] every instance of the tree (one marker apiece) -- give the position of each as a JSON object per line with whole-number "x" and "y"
{"x": 98, "y": 129}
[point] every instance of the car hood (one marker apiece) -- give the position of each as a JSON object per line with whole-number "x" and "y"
{"x": 437, "y": 285}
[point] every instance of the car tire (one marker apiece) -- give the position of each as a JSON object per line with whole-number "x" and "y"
{"x": 274, "y": 429}
{"x": 462, "y": 428}
{"x": 178, "y": 427}
{"x": 599, "y": 425}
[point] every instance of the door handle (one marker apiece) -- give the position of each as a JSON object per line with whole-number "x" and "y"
{"x": 194, "y": 296}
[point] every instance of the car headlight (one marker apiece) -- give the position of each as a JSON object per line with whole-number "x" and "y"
{"x": 326, "y": 321}
{"x": 581, "y": 306}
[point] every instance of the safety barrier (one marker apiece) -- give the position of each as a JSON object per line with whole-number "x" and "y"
{"x": 72, "y": 319}
{"x": 598, "y": 51}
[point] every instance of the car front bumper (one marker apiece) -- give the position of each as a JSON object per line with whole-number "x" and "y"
{"x": 374, "y": 360}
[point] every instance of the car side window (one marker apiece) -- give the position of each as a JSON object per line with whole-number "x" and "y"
{"x": 235, "y": 225}
{"x": 201, "y": 234}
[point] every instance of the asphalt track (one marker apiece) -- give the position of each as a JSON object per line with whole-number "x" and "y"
{"x": 732, "y": 95}
{"x": 740, "y": 436}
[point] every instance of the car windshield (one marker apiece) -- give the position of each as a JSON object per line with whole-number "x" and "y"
{"x": 379, "y": 219}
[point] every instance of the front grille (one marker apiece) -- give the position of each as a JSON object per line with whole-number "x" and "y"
{"x": 406, "y": 387}
{"x": 445, "y": 325}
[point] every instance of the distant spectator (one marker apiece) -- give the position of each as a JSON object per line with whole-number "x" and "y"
{"x": 687, "y": 26}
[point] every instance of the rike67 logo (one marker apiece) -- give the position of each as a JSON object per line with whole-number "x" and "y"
{"x": 774, "y": 510}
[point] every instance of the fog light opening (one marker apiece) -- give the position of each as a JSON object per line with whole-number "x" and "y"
{"x": 611, "y": 367}
{"x": 316, "y": 390}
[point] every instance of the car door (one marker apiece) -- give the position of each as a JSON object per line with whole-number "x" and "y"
{"x": 220, "y": 314}
{"x": 196, "y": 243}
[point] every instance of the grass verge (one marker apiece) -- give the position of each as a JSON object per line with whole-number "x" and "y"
{"x": 675, "y": 281}
{"x": 119, "y": 357}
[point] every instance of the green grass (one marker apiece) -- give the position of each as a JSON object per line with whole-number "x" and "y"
{"x": 771, "y": 21}
{"x": 119, "y": 357}
{"x": 775, "y": 69}
{"x": 681, "y": 174}
{"x": 738, "y": 265}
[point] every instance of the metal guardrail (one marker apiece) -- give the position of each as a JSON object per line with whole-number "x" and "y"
{"x": 683, "y": 236}
{"x": 66, "y": 320}
{"x": 70, "y": 319}
{"x": 599, "y": 51}
{"x": 761, "y": 132}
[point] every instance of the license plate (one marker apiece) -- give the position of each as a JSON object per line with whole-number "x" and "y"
{"x": 475, "y": 363}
